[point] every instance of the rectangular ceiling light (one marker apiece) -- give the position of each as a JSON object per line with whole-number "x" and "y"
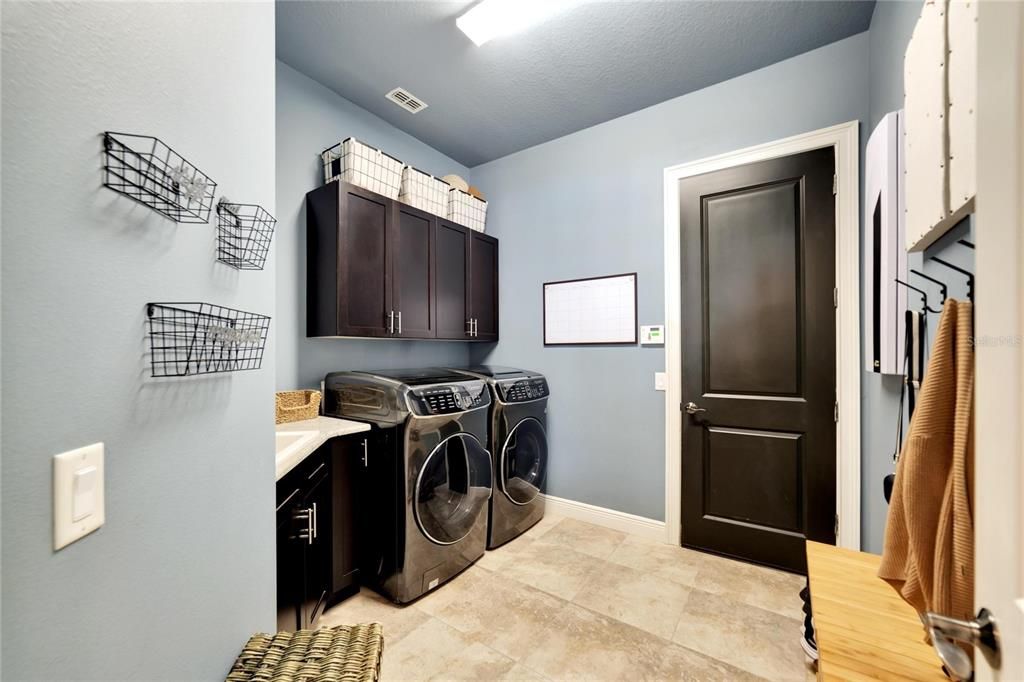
{"x": 492, "y": 18}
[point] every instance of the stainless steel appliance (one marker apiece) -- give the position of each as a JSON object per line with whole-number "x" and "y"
{"x": 519, "y": 449}
{"x": 427, "y": 477}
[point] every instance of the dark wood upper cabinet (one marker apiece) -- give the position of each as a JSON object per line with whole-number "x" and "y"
{"x": 379, "y": 268}
{"x": 413, "y": 277}
{"x": 453, "y": 319}
{"x": 483, "y": 286}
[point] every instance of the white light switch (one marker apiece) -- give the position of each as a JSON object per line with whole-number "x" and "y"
{"x": 659, "y": 381}
{"x": 78, "y": 507}
{"x": 83, "y": 493}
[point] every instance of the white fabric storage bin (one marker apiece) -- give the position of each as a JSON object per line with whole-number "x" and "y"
{"x": 424, "y": 191}
{"x": 360, "y": 164}
{"x": 466, "y": 209}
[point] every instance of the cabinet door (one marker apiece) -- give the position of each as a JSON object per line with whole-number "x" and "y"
{"x": 412, "y": 280}
{"x": 452, "y": 268}
{"x": 317, "y": 562}
{"x": 364, "y": 291}
{"x": 290, "y": 555}
{"x": 347, "y": 456}
{"x": 483, "y": 286}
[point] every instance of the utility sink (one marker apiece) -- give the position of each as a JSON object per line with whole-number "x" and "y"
{"x": 287, "y": 440}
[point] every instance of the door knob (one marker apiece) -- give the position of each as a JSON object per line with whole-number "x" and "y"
{"x": 981, "y": 633}
{"x": 693, "y": 408}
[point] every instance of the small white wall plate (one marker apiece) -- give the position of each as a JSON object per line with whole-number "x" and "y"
{"x": 84, "y": 465}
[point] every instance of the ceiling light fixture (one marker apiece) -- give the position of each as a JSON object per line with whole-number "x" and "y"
{"x": 492, "y": 18}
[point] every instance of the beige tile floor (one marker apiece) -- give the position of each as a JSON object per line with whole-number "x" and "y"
{"x": 573, "y": 601}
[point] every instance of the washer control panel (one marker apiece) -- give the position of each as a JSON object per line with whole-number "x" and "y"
{"x": 523, "y": 390}
{"x": 448, "y": 399}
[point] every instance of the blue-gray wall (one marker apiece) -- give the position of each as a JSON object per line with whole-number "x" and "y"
{"x": 891, "y": 27}
{"x": 311, "y": 118}
{"x": 590, "y": 203}
{"x": 183, "y": 571}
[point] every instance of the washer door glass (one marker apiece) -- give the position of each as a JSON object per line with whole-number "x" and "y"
{"x": 453, "y": 488}
{"x": 524, "y": 461}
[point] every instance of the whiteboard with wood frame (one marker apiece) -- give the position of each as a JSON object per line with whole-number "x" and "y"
{"x": 594, "y": 310}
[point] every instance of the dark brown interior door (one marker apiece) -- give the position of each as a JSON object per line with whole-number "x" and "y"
{"x": 413, "y": 273}
{"x": 452, "y": 244}
{"x": 364, "y": 291}
{"x": 758, "y": 276}
{"x": 483, "y": 286}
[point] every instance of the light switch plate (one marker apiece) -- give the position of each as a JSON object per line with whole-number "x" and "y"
{"x": 659, "y": 381}
{"x": 652, "y": 335}
{"x": 77, "y": 494}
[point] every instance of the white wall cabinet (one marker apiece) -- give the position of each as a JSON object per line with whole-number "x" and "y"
{"x": 940, "y": 71}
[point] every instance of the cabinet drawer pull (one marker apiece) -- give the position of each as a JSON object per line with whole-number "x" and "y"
{"x": 316, "y": 471}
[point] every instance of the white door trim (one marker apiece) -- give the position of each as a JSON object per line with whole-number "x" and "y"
{"x": 844, "y": 139}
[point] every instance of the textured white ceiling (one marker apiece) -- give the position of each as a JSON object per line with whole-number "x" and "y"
{"x": 589, "y": 64}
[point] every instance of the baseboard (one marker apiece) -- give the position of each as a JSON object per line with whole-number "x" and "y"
{"x": 609, "y": 518}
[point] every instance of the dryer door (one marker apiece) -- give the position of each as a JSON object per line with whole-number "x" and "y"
{"x": 524, "y": 461}
{"x": 452, "y": 489}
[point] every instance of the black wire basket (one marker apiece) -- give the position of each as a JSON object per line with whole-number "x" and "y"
{"x": 145, "y": 169}
{"x": 244, "y": 232}
{"x": 202, "y": 338}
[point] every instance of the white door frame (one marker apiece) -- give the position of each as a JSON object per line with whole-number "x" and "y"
{"x": 999, "y": 326}
{"x": 844, "y": 139}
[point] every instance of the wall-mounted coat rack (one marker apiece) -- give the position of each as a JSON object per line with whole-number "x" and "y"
{"x": 244, "y": 232}
{"x": 144, "y": 169}
{"x": 203, "y": 338}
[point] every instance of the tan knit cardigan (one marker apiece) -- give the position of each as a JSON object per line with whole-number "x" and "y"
{"x": 928, "y": 555}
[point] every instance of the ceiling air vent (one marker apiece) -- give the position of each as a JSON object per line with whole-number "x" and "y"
{"x": 406, "y": 100}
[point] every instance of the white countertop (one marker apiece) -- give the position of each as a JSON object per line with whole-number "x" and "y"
{"x": 309, "y": 435}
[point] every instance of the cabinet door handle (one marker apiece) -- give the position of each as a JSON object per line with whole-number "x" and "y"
{"x": 391, "y": 322}
{"x": 315, "y": 522}
{"x": 366, "y": 452}
{"x": 399, "y": 322}
{"x": 307, "y": 516}
{"x": 476, "y": 327}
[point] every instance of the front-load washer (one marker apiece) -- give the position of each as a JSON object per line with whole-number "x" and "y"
{"x": 519, "y": 449}
{"x": 426, "y": 482}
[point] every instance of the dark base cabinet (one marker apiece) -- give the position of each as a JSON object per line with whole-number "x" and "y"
{"x": 316, "y": 532}
{"x": 378, "y": 268}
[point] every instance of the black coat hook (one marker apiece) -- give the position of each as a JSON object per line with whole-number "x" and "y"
{"x": 924, "y": 295}
{"x": 968, "y": 274}
{"x": 942, "y": 285}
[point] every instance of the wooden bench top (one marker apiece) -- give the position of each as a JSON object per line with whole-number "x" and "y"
{"x": 863, "y": 629}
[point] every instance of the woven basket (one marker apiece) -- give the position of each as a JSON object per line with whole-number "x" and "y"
{"x": 296, "y": 406}
{"x": 349, "y": 653}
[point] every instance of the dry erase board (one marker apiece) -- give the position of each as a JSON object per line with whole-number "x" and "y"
{"x": 595, "y": 310}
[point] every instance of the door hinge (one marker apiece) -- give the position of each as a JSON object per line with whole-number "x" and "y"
{"x": 837, "y": 527}
{"x": 835, "y": 297}
{"x": 835, "y": 183}
{"x": 835, "y": 412}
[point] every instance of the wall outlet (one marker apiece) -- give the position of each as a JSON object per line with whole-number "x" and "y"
{"x": 78, "y": 504}
{"x": 660, "y": 381}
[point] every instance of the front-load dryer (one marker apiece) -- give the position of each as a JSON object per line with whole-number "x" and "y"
{"x": 519, "y": 449}
{"x": 425, "y": 486}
